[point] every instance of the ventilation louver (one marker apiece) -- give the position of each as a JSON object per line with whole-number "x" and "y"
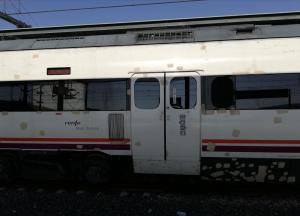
{"x": 163, "y": 36}
{"x": 60, "y": 38}
{"x": 116, "y": 126}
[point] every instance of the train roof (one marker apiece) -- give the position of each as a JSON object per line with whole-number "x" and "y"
{"x": 253, "y": 26}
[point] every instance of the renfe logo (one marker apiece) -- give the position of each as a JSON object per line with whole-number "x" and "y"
{"x": 72, "y": 123}
{"x": 182, "y": 124}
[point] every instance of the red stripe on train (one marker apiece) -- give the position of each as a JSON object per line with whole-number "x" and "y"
{"x": 46, "y": 146}
{"x": 26, "y": 139}
{"x": 246, "y": 141}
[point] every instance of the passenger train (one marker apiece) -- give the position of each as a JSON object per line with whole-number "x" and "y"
{"x": 215, "y": 97}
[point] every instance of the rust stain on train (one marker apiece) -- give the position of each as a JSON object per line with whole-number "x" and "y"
{"x": 170, "y": 65}
{"x": 277, "y": 120}
{"x": 35, "y": 56}
{"x": 259, "y": 72}
{"x": 240, "y": 72}
{"x": 23, "y": 125}
{"x": 208, "y": 112}
{"x": 137, "y": 69}
{"x": 236, "y": 133}
{"x": 221, "y": 111}
{"x": 211, "y": 147}
{"x": 180, "y": 68}
{"x": 203, "y": 47}
{"x": 234, "y": 112}
{"x": 282, "y": 111}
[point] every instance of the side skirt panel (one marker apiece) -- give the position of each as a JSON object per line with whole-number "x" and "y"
{"x": 250, "y": 170}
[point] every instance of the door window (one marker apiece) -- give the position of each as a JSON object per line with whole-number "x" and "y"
{"x": 147, "y": 93}
{"x": 183, "y": 93}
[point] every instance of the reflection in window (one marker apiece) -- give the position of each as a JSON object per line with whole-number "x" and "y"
{"x": 12, "y": 97}
{"x": 25, "y": 96}
{"x": 272, "y": 91}
{"x": 107, "y": 95}
{"x": 44, "y": 96}
{"x": 183, "y": 93}
{"x": 65, "y": 95}
{"x": 74, "y": 95}
{"x": 267, "y": 91}
{"x": 147, "y": 93}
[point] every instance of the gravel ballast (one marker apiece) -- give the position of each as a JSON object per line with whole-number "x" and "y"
{"x": 40, "y": 202}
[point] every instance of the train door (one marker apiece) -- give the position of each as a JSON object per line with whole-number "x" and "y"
{"x": 165, "y": 121}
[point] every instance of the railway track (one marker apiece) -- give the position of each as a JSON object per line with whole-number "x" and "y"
{"x": 136, "y": 197}
{"x": 142, "y": 183}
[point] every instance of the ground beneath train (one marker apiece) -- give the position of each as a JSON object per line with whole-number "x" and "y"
{"x": 59, "y": 201}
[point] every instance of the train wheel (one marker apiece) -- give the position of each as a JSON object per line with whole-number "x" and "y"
{"x": 97, "y": 171}
{"x": 8, "y": 170}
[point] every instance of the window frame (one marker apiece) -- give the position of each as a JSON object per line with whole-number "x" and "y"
{"x": 60, "y": 98}
{"x": 159, "y": 93}
{"x": 127, "y": 99}
{"x": 206, "y": 93}
{"x": 189, "y": 100}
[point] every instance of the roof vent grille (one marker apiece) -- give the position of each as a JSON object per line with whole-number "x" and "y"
{"x": 60, "y": 38}
{"x": 163, "y": 36}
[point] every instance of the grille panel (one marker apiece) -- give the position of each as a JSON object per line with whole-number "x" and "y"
{"x": 116, "y": 126}
{"x": 163, "y": 36}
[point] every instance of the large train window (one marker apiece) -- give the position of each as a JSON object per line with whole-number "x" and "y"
{"x": 183, "y": 93}
{"x": 267, "y": 91}
{"x": 67, "y": 95}
{"x": 252, "y": 92}
{"x": 44, "y": 95}
{"x": 29, "y": 96}
{"x": 222, "y": 92}
{"x": 104, "y": 95}
{"x": 147, "y": 93}
{"x": 12, "y": 97}
{"x": 74, "y": 95}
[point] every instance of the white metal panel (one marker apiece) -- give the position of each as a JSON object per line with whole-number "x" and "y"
{"x": 222, "y": 57}
{"x": 239, "y": 126}
{"x": 183, "y": 126}
{"x": 178, "y": 167}
{"x": 39, "y": 129}
{"x": 147, "y": 125}
{"x": 157, "y": 145}
{"x": 182, "y": 146}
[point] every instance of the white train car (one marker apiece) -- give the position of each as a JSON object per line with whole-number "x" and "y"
{"x": 217, "y": 97}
